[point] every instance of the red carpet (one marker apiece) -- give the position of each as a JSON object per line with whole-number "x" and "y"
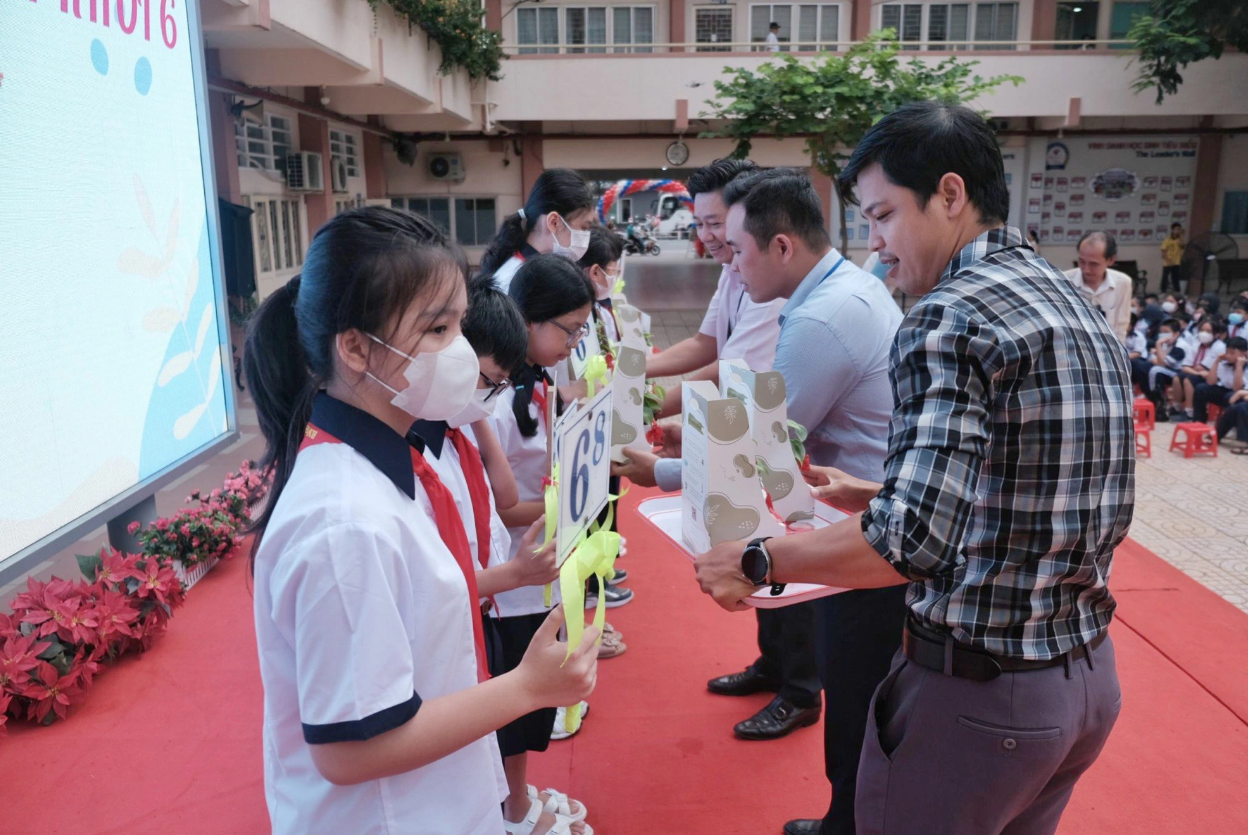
{"x": 170, "y": 743}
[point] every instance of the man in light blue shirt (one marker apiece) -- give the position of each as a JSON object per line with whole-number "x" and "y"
{"x": 835, "y": 335}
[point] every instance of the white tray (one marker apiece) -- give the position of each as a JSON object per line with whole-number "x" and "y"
{"x": 664, "y": 513}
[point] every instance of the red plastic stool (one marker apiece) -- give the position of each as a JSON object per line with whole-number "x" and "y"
{"x": 1145, "y": 413}
{"x": 1143, "y": 440}
{"x": 1198, "y": 438}
{"x": 1213, "y": 413}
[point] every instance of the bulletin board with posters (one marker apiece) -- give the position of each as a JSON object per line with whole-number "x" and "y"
{"x": 1132, "y": 187}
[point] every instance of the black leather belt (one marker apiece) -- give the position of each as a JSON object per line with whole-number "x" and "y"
{"x": 938, "y": 651}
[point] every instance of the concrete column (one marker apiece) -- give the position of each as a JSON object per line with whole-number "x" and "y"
{"x": 677, "y": 9}
{"x": 862, "y": 19}
{"x": 374, "y": 167}
{"x": 1043, "y": 20}
{"x": 494, "y": 15}
{"x": 224, "y": 148}
{"x": 823, "y": 185}
{"x": 1204, "y": 193}
{"x": 314, "y": 136}
{"x": 531, "y": 164}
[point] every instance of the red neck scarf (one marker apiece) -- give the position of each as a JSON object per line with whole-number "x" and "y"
{"x": 478, "y": 489}
{"x": 450, "y": 528}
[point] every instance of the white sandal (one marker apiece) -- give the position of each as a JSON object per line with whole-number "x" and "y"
{"x": 559, "y": 804}
{"x": 561, "y": 826}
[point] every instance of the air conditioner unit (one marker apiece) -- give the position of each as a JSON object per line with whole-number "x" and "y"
{"x": 304, "y": 172}
{"x": 338, "y": 169}
{"x": 446, "y": 167}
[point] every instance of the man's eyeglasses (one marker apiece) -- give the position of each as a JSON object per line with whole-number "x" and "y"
{"x": 495, "y": 388}
{"x": 574, "y": 336}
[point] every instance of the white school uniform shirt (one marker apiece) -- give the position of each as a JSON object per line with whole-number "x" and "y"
{"x": 527, "y": 457}
{"x": 1137, "y": 343}
{"x": 1226, "y": 375}
{"x": 504, "y": 274}
{"x": 362, "y": 613}
{"x": 1202, "y": 356}
{"x": 742, "y": 328}
{"x": 773, "y": 42}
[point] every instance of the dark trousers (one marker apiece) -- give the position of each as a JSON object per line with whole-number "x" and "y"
{"x": 1140, "y": 367}
{"x": 951, "y": 756}
{"x": 1236, "y": 417}
{"x": 1170, "y": 278}
{"x": 1206, "y": 395}
{"x": 786, "y": 641}
{"x": 859, "y": 633}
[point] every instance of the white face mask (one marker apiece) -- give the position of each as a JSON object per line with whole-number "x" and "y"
{"x": 604, "y": 292}
{"x": 579, "y": 242}
{"x": 454, "y": 370}
{"x": 1205, "y": 338}
{"x": 478, "y": 408}
{"x": 1169, "y": 307}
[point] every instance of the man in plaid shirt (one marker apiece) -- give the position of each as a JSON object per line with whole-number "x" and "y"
{"x": 1010, "y": 480}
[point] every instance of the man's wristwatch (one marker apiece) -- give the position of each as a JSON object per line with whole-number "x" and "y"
{"x": 756, "y": 565}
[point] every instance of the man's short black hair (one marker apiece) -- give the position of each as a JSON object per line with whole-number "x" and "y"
{"x": 1237, "y": 343}
{"x": 1173, "y": 324}
{"x": 780, "y": 201}
{"x": 1239, "y": 303}
{"x": 721, "y": 172}
{"x": 921, "y": 142}
{"x": 1152, "y": 296}
{"x": 774, "y": 25}
{"x": 1176, "y": 224}
{"x": 1107, "y": 238}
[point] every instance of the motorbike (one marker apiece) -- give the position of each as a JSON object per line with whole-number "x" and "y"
{"x": 642, "y": 243}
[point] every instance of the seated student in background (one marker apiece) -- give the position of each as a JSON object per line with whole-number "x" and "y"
{"x": 1205, "y": 307}
{"x": 1237, "y": 319}
{"x": 1223, "y": 380}
{"x": 1203, "y": 350}
{"x": 1137, "y": 344}
{"x": 1164, "y": 364}
{"x": 378, "y": 710}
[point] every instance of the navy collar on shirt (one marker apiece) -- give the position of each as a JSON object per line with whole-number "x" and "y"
{"x": 431, "y": 434}
{"x": 382, "y": 446}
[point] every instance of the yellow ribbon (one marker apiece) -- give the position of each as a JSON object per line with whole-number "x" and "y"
{"x": 595, "y": 373}
{"x": 551, "y": 497}
{"x": 594, "y": 557}
{"x": 618, "y": 288}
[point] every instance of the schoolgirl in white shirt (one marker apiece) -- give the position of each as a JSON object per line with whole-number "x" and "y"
{"x": 378, "y": 710}
{"x": 555, "y": 299}
{"x": 556, "y": 219}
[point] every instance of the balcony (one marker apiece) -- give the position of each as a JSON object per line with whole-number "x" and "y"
{"x": 630, "y": 85}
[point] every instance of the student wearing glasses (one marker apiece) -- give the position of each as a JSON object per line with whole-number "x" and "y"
{"x": 555, "y": 300}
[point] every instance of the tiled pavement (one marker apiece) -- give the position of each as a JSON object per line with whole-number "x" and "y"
{"x": 1191, "y": 512}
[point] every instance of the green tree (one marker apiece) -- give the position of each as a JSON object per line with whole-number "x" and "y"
{"x": 1176, "y": 33}
{"x": 832, "y": 100}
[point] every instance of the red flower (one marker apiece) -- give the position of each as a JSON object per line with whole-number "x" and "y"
{"x": 83, "y": 622}
{"x": 50, "y": 692}
{"x": 84, "y": 669}
{"x": 116, "y": 616}
{"x": 158, "y": 582}
{"x": 17, "y": 659}
{"x": 114, "y": 567}
{"x": 5, "y": 698}
{"x": 52, "y": 613}
{"x": 133, "y": 528}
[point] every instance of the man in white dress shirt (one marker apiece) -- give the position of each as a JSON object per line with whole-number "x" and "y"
{"x": 1109, "y": 291}
{"x": 734, "y": 327}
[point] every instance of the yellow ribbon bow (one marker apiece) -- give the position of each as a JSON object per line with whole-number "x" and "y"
{"x": 618, "y": 289}
{"x": 593, "y": 557}
{"x": 595, "y": 373}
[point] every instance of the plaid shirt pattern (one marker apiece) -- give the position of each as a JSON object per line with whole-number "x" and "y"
{"x": 1010, "y": 476}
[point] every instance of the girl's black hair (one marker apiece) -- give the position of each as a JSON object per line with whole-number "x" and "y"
{"x": 544, "y": 288}
{"x": 494, "y": 326}
{"x": 605, "y": 247}
{"x": 363, "y": 269}
{"x": 557, "y": 190}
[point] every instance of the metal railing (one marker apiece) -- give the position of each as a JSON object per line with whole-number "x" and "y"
{"x": 807, "y": 47}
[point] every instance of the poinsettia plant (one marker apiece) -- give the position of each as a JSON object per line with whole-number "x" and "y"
{"x": 60, "y": 633}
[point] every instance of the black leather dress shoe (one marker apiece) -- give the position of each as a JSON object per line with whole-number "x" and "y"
{"x": 779, "y": 718}
{"x": 745, "y": 683}
{"x": 803, "y": 827}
